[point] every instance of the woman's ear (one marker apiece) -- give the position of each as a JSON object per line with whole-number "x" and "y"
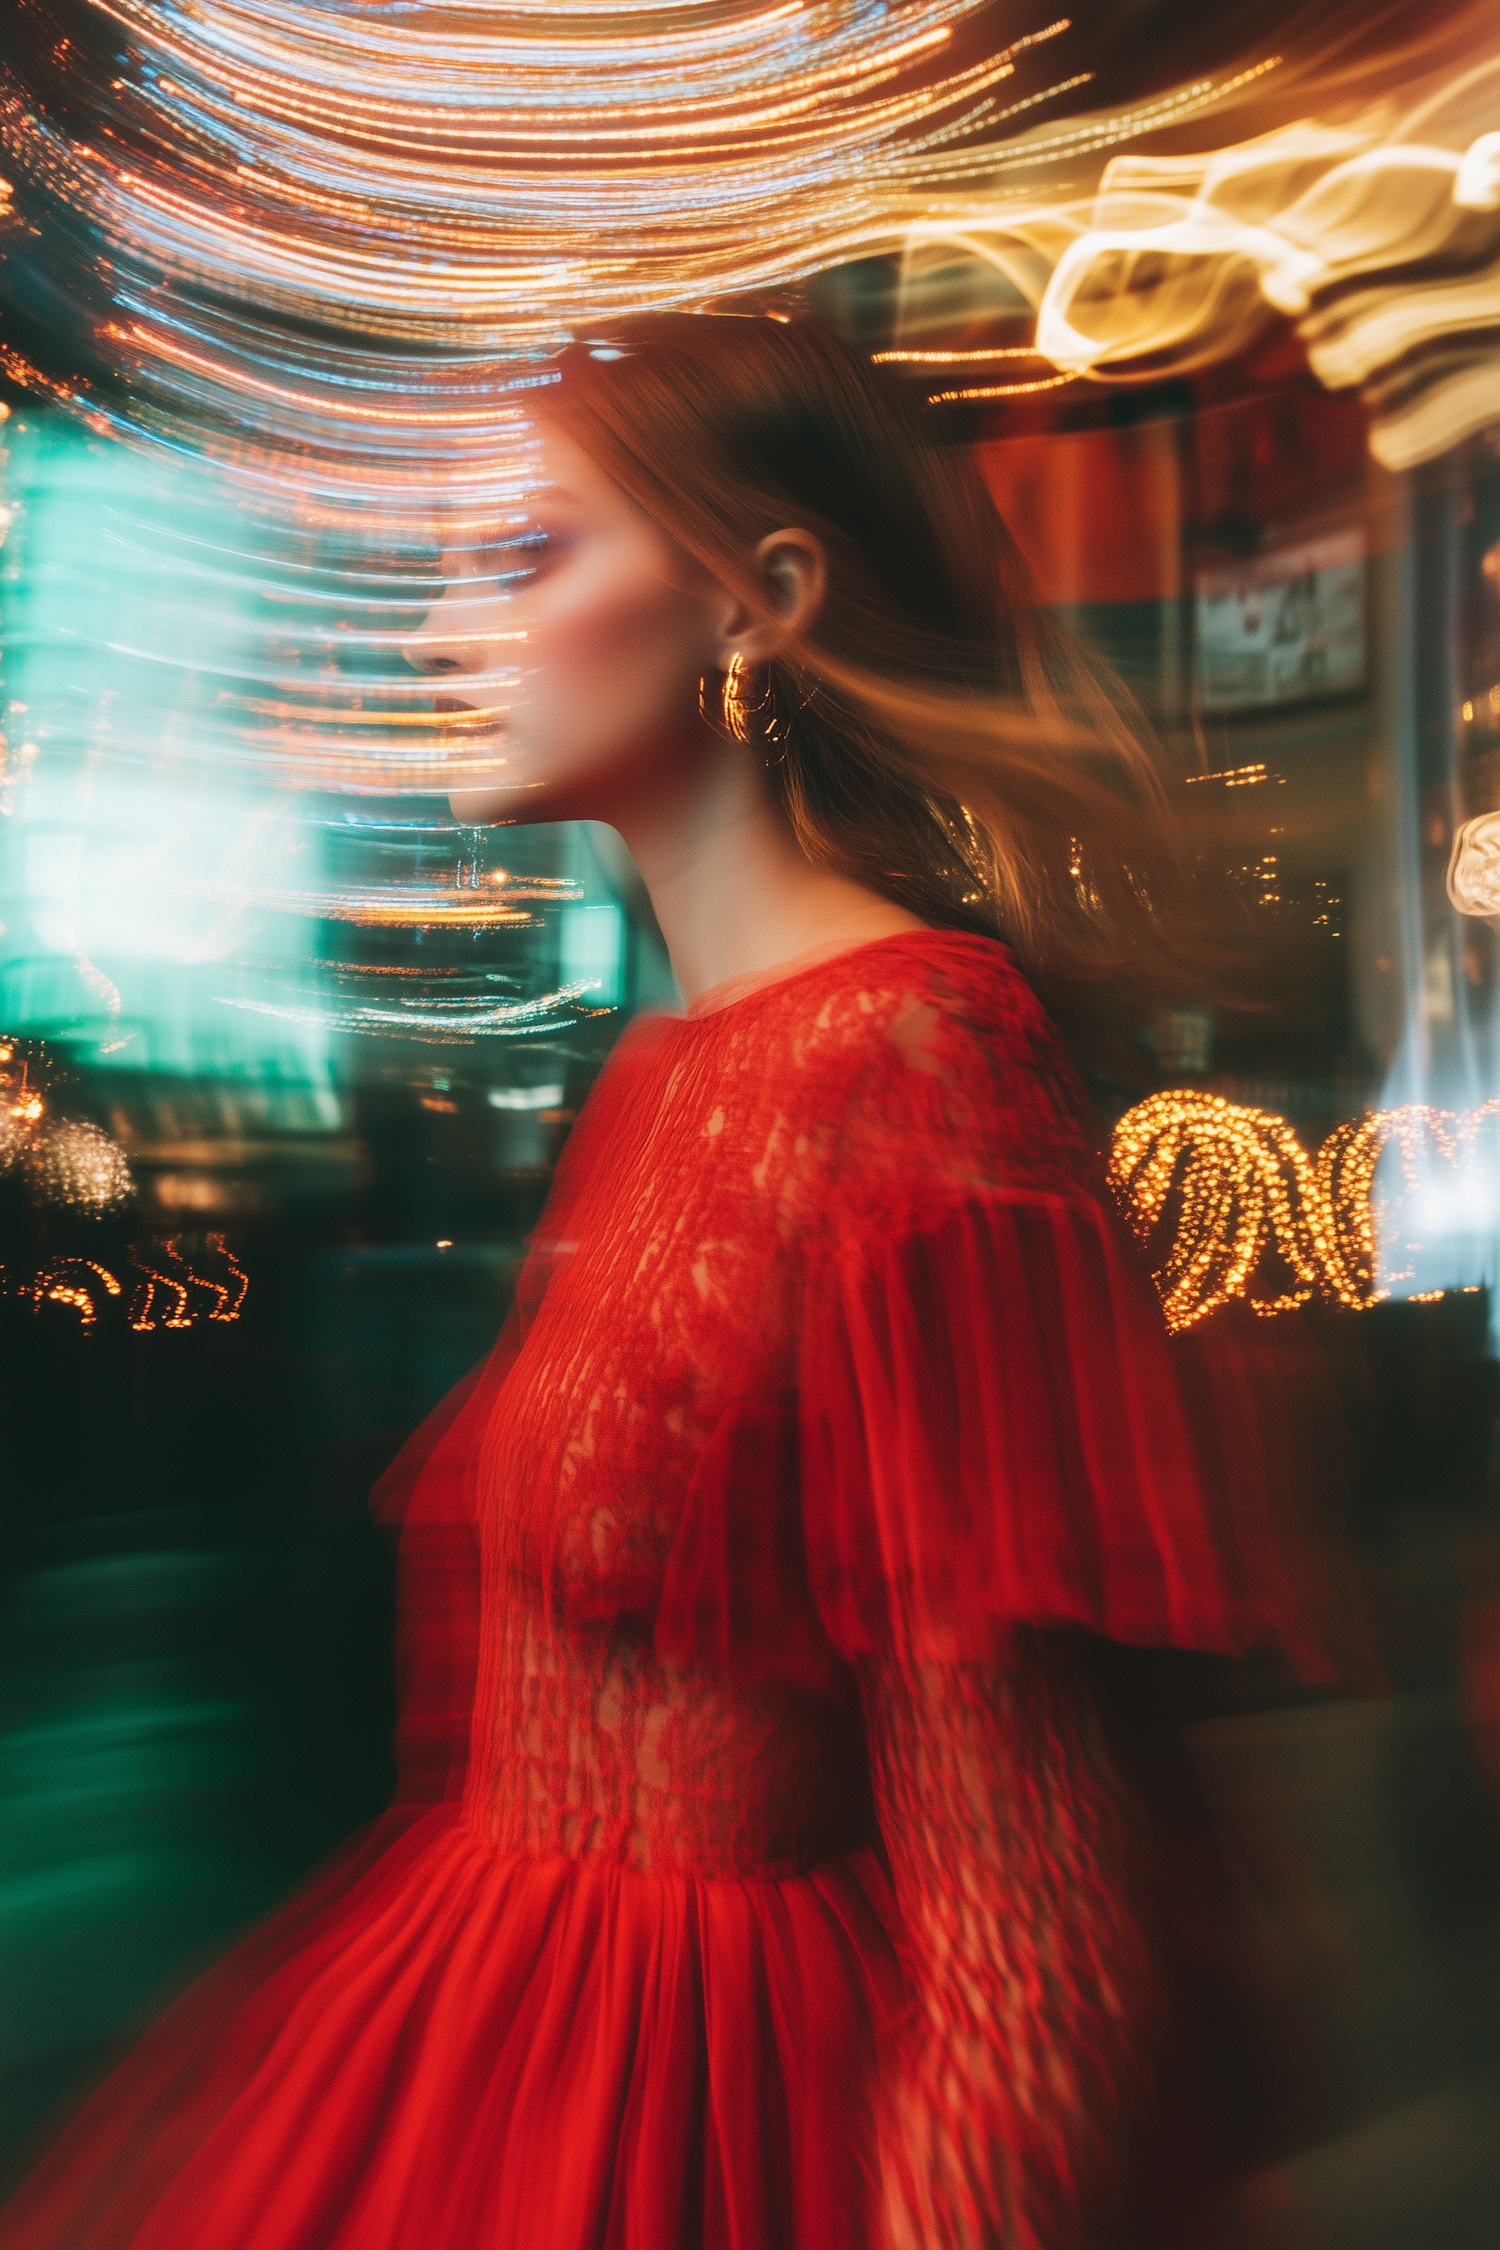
{"x": 793, "y": 573}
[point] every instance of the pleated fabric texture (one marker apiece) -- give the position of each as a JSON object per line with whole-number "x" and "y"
{"x": 439, "y": 2046}
{"x": 992, "y": 1434}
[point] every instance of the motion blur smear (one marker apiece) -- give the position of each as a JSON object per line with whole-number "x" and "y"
{"x": 287, "y": 1056}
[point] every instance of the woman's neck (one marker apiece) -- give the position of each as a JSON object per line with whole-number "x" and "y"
{"x": 733, "y": 891}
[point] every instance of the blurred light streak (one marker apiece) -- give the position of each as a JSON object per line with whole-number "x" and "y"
{"x": 1438, "y": 1215}
{"x": 1474, "y": 868}
{"x": 231, "y": 1294}
{"x": 482, "y": 180}
{"x": 954, "y": 359}
{"x": 164, "y": 826}
{"x": 1000, "y": 390}
{"x": 411, "y": 905}
{"x": 1241, "y": 1186}
{"x": 464, "y": 1018}
{"x": 1377, "y": 230}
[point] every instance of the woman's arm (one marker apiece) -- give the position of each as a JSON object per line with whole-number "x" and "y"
{"x": 1013, "y": 2118}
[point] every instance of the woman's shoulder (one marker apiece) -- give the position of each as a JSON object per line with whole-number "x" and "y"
{"x": 973, "y": 984}
{"x": 939, "y": 1064}
{"x": 849, "y": 1001}
{"x": 918, "y": 1064}
{"x": 941, "y": 997}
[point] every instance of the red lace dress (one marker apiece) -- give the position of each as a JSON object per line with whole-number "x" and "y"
{"x": 785, "y": 1897}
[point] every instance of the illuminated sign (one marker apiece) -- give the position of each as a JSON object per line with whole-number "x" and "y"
{"x": 1283, "y": 627}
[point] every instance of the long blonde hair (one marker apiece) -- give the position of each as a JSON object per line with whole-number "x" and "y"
{"x": 934, "y": 735}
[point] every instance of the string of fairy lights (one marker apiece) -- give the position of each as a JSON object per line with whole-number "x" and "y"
{"x": 170, "y": 1290}
{"x": 1247, "y": 1213}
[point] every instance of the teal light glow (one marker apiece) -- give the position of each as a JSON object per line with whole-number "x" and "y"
{"x": 593, "y": 952}
{"x": 128, "y": 632}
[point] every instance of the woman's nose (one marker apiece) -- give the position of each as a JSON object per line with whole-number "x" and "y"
{"x": 436, "y": 647}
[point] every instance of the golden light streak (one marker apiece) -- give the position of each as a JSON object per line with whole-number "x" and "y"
{"x": 1378, "y": 231}
{"x": 405, "y": 906}
{"x": 172, "y": 1287}
{"x": 1239, "y": 1179}
{"x": 797, "y": 94}
{"x": 165, "y": 347}
{"x": 954, "y": 359}
{"x": 66, "y": 1281}
{"x": 1237, "y": 777}
{"x": 439, "y": 723}
{"x": 494, "y": 167}
{"x": 230, "y": 1294}
{"x": 1000, "y": 390}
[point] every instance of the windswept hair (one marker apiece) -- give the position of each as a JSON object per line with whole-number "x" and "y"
{"x": 934, "y": 734}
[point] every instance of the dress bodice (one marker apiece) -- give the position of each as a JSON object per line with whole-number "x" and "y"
{"x": 657, "y": 1371}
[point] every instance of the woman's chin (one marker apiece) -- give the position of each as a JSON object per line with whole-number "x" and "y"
{"x": 552, "y": 796}
{"x": 487, "y": 801}
{"x": 515, "y": 803}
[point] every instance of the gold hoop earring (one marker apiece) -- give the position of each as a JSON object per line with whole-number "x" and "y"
{"x": 720, "y": 712}
{"x": 736, "y": 707}
{"x": 739, "y": 715}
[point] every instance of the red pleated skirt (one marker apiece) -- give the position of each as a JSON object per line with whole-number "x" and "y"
{"x": 439, "y": 2048}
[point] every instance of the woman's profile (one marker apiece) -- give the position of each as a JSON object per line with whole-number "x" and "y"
{"x": 763, "y": 1873}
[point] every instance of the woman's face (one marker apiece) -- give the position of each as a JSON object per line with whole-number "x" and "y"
{"x": 604, "y": 637}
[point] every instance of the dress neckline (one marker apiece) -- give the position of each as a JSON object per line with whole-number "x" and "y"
{"x": 717, "y": 998}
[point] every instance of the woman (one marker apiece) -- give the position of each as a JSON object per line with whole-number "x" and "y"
{"x": 785, "y": 1889}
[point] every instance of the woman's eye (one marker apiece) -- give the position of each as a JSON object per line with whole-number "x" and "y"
{"x": 531, "y": 556}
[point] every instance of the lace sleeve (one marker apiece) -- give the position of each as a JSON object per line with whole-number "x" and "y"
{"x": 1015, "y": 2112}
